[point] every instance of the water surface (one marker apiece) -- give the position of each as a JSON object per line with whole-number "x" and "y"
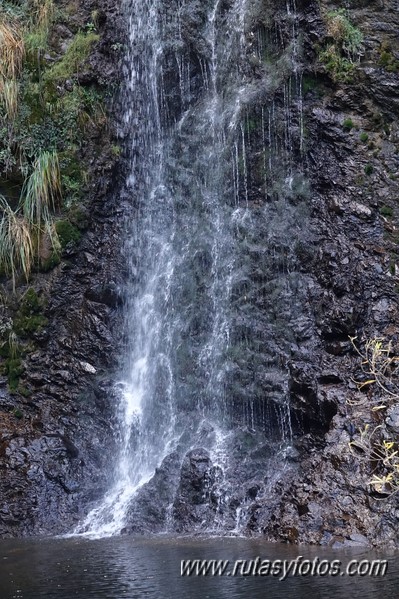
{"x": 150, "y": 567}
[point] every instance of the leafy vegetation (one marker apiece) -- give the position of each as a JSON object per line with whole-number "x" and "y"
{"x": 16, "y": 243}
{"x": 45, "y": 117}
{"x": 387, "y": 58}
{"x": 43, "y": 112}
{"x": 348, "y": 124}
{"x": 386, "y": 211}
{"x": 345, "y": 47}
{"x": 73, "y": 59}
{"x": 368, "y": 169}
{"x": 67, "y": 233}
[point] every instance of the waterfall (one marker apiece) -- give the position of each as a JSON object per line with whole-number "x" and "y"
{"x": 213, "y": 119}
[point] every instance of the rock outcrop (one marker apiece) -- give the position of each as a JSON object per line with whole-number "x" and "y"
{"x": 56, "y": 443}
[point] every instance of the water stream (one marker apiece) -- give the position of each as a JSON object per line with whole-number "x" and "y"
{"x": 213, "y": 128}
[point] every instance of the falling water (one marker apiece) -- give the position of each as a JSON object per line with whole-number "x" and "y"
{"x": 209, "y": 100}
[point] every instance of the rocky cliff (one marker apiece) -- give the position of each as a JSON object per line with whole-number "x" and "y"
{"x": 339, "y": 488}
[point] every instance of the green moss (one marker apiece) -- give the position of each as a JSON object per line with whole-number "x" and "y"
{"x": 29, "y": 318}
{"x": 67, "y": 233}
{"x": 363, "y": 137}
{"x": 368, "y": 169}
{"x": 25, "y": 326}
{"x": 388, "y": 61}
{"x": 73, "y": 59}
{"x": 24, "y": 391}
{"x": 13, "y": 368}
{"x": 386, "y": 211}
{"x": 30, "y": 303}
{"x": 116, "y": 150}
{"x": 50, "y": 263}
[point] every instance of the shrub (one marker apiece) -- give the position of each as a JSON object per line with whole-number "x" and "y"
{"x": 346, "y": 35}
{"x": 345, "y": 49}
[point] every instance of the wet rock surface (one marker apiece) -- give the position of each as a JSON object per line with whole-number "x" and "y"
{"x": 56, "y": 445}
{"x": 56, "y": 427}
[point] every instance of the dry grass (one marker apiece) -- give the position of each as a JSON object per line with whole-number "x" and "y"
{"x": 9, "y": 97}
{"x": 43, "y": 13}
{"x": 12, "y": 49}
{"x": 16, "y": 245}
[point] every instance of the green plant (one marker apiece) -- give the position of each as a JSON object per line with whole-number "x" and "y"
{"x": 341, "y": 30}
{"x": 387, "y": 59}
{"x": 16, "y": 244}
{"x": 346, "y": 47}
{"x": 348, "y": 124}
{"x": 44, "y": 12}
{"x": 116, "y": 150}
{"x": 41, "y": 126}
{"x": 13, "y": 368}
{"x": 9, "y": 97}
{"x": 368, "y": 169}
{"x": 67, "y": 233}
{"x": 363, "y": 137}
{"x": 73, "y": 59}
{"x": 42, "y": 189}
{"x": 29, "y": 318}
{"x": 386, "y": 211}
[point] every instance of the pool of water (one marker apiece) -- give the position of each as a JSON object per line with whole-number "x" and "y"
{"x": 151, "y": 567}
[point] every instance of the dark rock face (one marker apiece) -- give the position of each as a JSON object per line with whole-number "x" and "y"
{"x": 54, "y": 459}
{"x": 352, "y": 292}
{"x": 56, "y": 438}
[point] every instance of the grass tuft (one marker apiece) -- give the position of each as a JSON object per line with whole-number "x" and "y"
{"x": 16, "y": 244}
{"x": 42, "y": 189}
{"x": 12, "y": 49}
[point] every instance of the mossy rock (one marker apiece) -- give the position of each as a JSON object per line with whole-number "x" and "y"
{"x": 73, "y": 59}
{"x": 24, "y": 391}
{"x": 49, "y": 263}
{"x": 30, "y": 303}
{"x": 29, "y": 318}
{"x": 67, "y": 233}
{"x": 386, "y": 211}
{"x": 25, "y": 326}
{"x": 79, "y": 217}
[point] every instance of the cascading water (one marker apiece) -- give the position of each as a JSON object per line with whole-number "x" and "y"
{"x": 211, "y": 93}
